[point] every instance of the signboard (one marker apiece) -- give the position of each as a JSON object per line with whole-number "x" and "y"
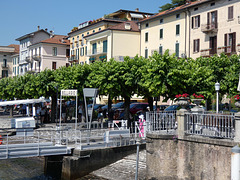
{"x": 69, "y": 92}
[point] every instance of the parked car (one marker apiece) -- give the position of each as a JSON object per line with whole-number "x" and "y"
{"x": 96, "y": 106}
{"x": 177, "y": 107}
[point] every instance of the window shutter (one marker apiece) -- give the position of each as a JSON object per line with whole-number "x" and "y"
{"x": 194, "y": 45}
{"x": 177, "y": 49}
{"x": 160, "y": 50}
{"x": 216, "y": 19}
{"x": 198, "y": 20}
{"x": 208, "y": 18}
{"x": 192, "y": 22}
{"x": 234, "y": 42}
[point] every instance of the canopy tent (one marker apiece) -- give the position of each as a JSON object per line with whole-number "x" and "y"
{"x": 17, "y": 102}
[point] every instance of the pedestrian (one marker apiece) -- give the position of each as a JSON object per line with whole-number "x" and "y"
{"x": 100, "y": 114}
{"x": 64, "y": 113}
{"x": 42, "y": 115}
{"x": 80, "y": 113}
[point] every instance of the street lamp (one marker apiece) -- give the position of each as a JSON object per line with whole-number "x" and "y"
{"x": 217, "y": 88}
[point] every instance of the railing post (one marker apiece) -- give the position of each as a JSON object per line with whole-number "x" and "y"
{"x": 237, "y": 127}
{"x": 181, "y": 123}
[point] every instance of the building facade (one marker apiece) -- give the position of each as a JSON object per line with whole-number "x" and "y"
{"x": 215, "y": 28}
{"x": 78, "y": 45}
{"x": 50, "y": 53}
{"x": 26, "y": 41}
{"x": 7, "y": 54}
{"x": 114, "y": 42}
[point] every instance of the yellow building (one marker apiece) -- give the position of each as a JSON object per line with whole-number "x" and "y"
{"x": 114, "y": 42}
{"x": 78, "y": 46}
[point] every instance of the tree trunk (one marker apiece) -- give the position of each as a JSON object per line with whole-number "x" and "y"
{"x": 150, "y": 103}
{"x": 109, "y": 102}
{"x": 126, "y": 110}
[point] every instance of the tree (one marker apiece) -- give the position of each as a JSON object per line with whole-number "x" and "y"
{"x": 175, "y": 3}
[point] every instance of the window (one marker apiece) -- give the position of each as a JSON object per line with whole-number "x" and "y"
{"x": 196, "y": 45}
{"x": 161, "y": 33}
{"x": 99, "y": 29}
{"x": 196, "y": 22}
{"x": 4, "y": 62}
{"x": 212, "y": 19}
{"x": 178, "y": 29}
{"x": 161, "y": 21}
{"x": 54, "y": 51}
{"x": 212, "y": 4}
{"x": 82, "y": 51}
{"x": 72, "y": 43}
{"x": 4, "y": 73}
{"x": 195, "y": 9}
{"x": 147, "y": 25}
{"x": 105, "y": 46}
{"x": 177, "y": 16}
{"x": 160, "y": 50}
{"x": 177, "y": 49}
{"x": 54, "y": 65}
{"x": 87, "y": 33}
{"x": 230, "y": 42}
{"x": 230, "y": 12}
{"x": 146, "y": 37}
{"x": 146, "y": 53}
{"x": 86, "y": 50}
{"x": 94, "y": 48}
{"x": 93, "y": 31}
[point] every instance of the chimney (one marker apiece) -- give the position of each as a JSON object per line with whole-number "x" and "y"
{"x": 127, "y": 26}
{"x": 46, "y": 29}
{"x": 51, "y": 34}
{"x": 38, "y": 28}
{"x": 137, "y": 9}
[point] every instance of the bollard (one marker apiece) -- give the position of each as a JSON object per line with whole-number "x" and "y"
{"x": 235, "y": 163}
{"x": 137, "y": 160}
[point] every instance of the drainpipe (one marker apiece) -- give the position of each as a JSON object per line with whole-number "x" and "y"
{"x": 189, "y": 15}
{"x": 140, "y": 39}
{"x": 112, "y": 44}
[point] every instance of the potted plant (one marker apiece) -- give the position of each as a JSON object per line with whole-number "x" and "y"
{"x": 183, "y": 99}
{"x": 237, "y": 99}
{"x": 197, "y": 99}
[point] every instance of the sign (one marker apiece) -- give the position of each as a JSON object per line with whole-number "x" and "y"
{"x": 69, "y": 92}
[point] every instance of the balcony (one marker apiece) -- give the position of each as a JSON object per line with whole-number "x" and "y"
{"x": 5, "y": 66}
{"x": 28, "y": 59}
{"x": 205, "y": 52}
{"x": 98, "y": 51}
{"x": 207, "y": 28}
{"x": 221, "y": 50}
{"x": 73, "y": 58}
{"x": 37, "y": 57}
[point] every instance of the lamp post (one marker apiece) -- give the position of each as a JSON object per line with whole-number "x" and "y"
{"x": 217, "y": 88}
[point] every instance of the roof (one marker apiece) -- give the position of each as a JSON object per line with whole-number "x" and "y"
{"x": 120, "y": 27}
{"x": 16, "y": 47}
{"x": 57, "y": 39}
{"x": 103, "y": 20}
{"x": 176, "y": 9}
{"x": 17, "y": 102}
{"x": 31, "y": 34}
{"x": 136, "y": 12}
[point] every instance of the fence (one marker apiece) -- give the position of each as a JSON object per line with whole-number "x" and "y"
{"x": 195, "y": 123}
{"x": 161, "y": 121}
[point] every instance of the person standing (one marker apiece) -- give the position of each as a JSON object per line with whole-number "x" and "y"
{"x": 80, "y": 112}
{"x": 64, "y": 113}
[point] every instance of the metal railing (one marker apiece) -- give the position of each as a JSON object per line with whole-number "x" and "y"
{"x": 210, "y": 124}
{"x": 161, "y": 121}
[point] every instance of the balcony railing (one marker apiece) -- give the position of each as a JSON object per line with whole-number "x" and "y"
{"x": 28, "y": 59}
{"x": 97, "y": 51}
{"x": 212, "y": 27}
{"x": 73, "y": 58}
{"x": 5, "y": 66}
{"x": 37, "y": 57}
{"x": 205, "y": 52}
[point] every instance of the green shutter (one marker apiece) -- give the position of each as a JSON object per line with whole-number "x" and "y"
{"x": 177, "y": 49}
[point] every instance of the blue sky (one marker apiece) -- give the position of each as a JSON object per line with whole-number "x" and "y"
{"x": 20, "y": 17}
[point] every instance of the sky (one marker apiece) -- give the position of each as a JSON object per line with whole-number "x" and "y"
{"x": 20, "y": 17}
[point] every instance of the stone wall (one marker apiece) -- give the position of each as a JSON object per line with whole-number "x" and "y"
{"x": 188, "y": 158}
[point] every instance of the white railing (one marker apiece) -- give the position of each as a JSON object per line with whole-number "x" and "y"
{"x": 210, "y": 124}
{"x": 161, "y": 121}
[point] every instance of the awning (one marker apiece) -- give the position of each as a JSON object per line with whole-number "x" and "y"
{"x": 102, "y": 57}
{"x": 92, "y": 59}
{"x": 17, "y": 102}
{"x": 134, "y": 15}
